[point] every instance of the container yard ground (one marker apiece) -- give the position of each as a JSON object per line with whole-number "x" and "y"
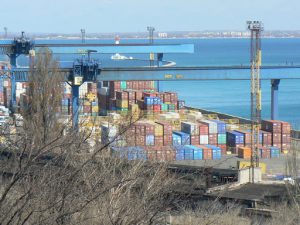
{"x": 274, "y": 166}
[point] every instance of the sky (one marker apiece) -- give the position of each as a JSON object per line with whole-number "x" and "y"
{"x": 103, "y": 16}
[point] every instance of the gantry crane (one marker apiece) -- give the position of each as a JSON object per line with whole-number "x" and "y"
{"x": 255, "y": 27}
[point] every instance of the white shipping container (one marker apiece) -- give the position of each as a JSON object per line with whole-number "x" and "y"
{"x": 203, "y": 139}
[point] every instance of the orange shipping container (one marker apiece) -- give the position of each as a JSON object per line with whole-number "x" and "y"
{"x": 244, "y": 153}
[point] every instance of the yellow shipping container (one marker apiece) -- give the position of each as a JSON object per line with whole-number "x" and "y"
{"x": 245, "y": 164}
{"x": 158, "y": 130}
{"x": 122, "y": 103}
{"x": 86, "y": 103}
{"x": 95, "y": 108}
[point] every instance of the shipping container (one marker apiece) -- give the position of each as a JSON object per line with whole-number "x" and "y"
{"x": 181, "y": 138}
{"x": 244, "y": 152}
{"x": 271, "y": 126}
{"x": 212, "y": 126}
{"x": 190, "y": 128}
{"x": 203, "y": 139}
{"x": 216, "y": 151}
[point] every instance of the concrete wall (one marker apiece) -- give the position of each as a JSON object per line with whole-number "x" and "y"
{"x": 245, "y": 175}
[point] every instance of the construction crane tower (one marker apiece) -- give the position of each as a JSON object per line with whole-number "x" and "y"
{"x": 255, "y": 27}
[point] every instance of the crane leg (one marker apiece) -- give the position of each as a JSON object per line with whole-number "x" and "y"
{"x": 274, "y": 98}
{"x": 75, "y": 106}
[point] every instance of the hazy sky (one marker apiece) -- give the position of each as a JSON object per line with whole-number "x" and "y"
{"x": 69, "y": 16}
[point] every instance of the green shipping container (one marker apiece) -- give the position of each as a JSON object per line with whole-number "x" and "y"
{"x": 171, "y": 107}
{"x": 221, "y": 138}
{"x": 123, "y": 85}
{"x": 164, "y": 107}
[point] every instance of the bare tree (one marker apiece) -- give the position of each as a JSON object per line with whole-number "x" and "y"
{"x": 51, "y": 177}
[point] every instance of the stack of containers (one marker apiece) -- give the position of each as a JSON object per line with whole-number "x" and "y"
{"x": 167, "y": 135}
{"x": 247, "y": 137}
{"x": 266, "y": 138}
{"x": 216, "y": 151}
{"x": 234, "y": 141}
{"x": 274, "y": 127}
{"x": 180, "y": 138}
{"x": 285, "y": 136}
{"x": 193, "y": 130}
{"x": 212, "y": 130}
{"x": 203, "y": 133}
{"x": 221, "y": 141}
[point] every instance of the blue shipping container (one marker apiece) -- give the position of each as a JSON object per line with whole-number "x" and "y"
{"x": 149, "y": 140}
{"x": 198, "y": 153}
{"x": 221, "y": 126}
{"x": 234, "y": 138}
{"x": 184, "y": 137}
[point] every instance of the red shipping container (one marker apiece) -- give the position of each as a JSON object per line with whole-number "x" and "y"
{"x": 203, "y": 128}
{"x": 206, "y": 152}
{"x": 129, "y": 85}
{"x": 140, "y": 129}
{"x": 149, "y": 129}
{"x": 167, "y": 138}
{"x": 135, "y": 85}
{"x": 285, "y": 128}
{"x": 213, "y": 139}
{"x": 266, "y": 138}
{"x": 156, "y": 108}
{"x": 195, "y": 140}
{"x": 276, "y": 138}
{"x": 286, "y": 138}
{"x": 141, "y": 85}
{"x": 158, "y": 141}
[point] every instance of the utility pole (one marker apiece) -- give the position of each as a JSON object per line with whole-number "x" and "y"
{"x": 255, "y": 27}
{"x": 151, "y": 40}
{"x": 82, "y": 35}
{"x": 5, "y": 32}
